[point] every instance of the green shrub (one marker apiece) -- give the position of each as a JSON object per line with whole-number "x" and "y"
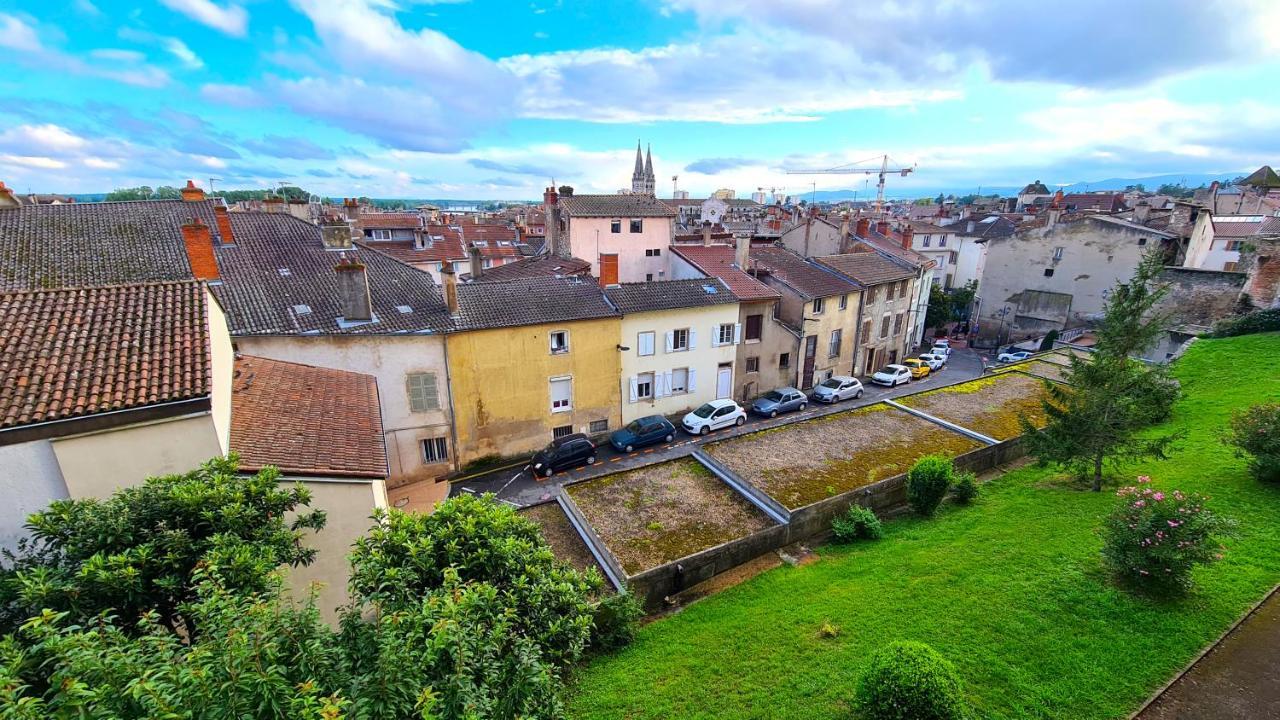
{"x": 1258, "y": 321}
{"x": 614, "y": 622}
{"x": 1152, "y": 540}
{"x": 927, "y": 483}
{"x": 1256, "y": 435}
{"x": 965, "y": 488}
{"x": 909, "y": 681}
{"x": 858, "y": 523}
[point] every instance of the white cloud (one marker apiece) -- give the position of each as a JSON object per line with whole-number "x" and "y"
{"x": 32, "y": 161}
{"x": 186, "y": 55}
{"x": 47, "y": 139}
{"x": 232, "y": 20}
{"x": 233, "y": 95}
{"x": 17, "y": 35}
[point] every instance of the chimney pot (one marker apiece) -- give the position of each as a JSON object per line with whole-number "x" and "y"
{"x": 223, "y": 218}
{"x": 353, "y": 290}
{"x": 882, "y": 227}
{"x": 863, "y": 228}
{"x": 450, "y": 281}
{"x": 908, "y": 234}
{"x": 198, "y": 242}
{"x": 706, "y": 233}
{"x": 192, "y": 193}
{"x": 742, "y": 253}
{"x": 477, "y": 263}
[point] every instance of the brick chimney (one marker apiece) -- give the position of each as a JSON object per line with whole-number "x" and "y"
{"x": 273, "y": 204}
{"x": 450, "y": 281}
{"x": 353, "y": 290}
{"x": 191, "y": 193}
{"x": 844, "y": 226}
{"x": 742, "y": 253}
{"x": 1055, "y": 210}
{"x": 882, "y": 227}
{"x": 477, "y": 262}
{"x": 223, "y": 218}
{"x": 863, "y": 228}
{"x": 555, "y": 241}
{"x": 335, "y": 233}
{"x": 7, "y": 198}
{"x": 199, "y": 245}
{"x": 908, "y": 234}
{"x": 706, "y": 233}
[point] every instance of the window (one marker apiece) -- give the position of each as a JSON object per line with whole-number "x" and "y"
{"x": 1230, "y": 266}
{"x": 902, "y": 289}
{"x": 637, "y": 225}
{"x": 784, "y": 360}
{"x": 422, "y": 392}
{"x": 435, "y": 450}
{"x": 615, "y": 226}
{"x": 1233, "y": 245}
{"x": 888, "y": 291}
{"x": 753, "y": 364}
{"x": 644, "y": 343}
{"x": 871, "y": 294}
{"x": 833, "y": 347}
{"x": 818, "y": 305}
{"x": 653, "y": 252}
{"x": 559, "y": 342}
{"x": 926, "y": 241}
{"x": 755, "y": 327}
{"x": 1048, "y": 272}
{"x": 678, "y": 340}
{"x": 379, "y": 234}
{"x": 884, "y": 327}
{"x": 844, "y": 301}
{"x": 897, "y": 323}
{"x": 866, "y": 331}
{"x": 562, "y": 431}
{"x": 1057, "y": 253}
{"x": 725, "y": 333}
{"x": 644, "y": 386}
{"x": 598, "y": 426}
{"x": 679, "y": 380}
{"x": 1142, "y": 241}
{"x": 561, "y": 395}
{"x": 942, "y": 241}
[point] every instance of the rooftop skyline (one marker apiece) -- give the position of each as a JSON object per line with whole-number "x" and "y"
{"x": 483, "y": 100}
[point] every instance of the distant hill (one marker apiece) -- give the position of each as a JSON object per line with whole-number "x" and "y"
{"x": 1150, "y": 182}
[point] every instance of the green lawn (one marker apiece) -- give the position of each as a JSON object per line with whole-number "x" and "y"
{"x": 1009, "y": 589}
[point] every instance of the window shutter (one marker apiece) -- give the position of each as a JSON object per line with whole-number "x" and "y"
{"x": 634, "y": 390}
{"x": 660, "y": 386}
{"x": 671, "y": 341}
{"x": 715, "y": 336}
{"x": 693, "y": 374}
{"x": 737, "y": 333}
{"x": 693, "y": 338}
{"x": 666, "y": 379}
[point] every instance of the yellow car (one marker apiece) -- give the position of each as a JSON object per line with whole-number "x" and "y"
{"x": 918, "y": 368}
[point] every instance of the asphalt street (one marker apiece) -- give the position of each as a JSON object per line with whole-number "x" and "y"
{"x": 520, "y": 488}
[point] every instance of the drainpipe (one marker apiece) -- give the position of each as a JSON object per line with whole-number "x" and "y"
{"x": 857, "y": 331}
{"x": 453, "y": 419}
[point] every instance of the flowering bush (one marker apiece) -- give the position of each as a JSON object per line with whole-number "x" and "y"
{"x": 1153, "y": 539}
{"x": 1256, "y": 434}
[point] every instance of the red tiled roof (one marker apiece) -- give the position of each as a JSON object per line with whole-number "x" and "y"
{"x": 718, "y": 261}
{"x": 804, "y": 277}
{"x": 444, "y": 244}
{"x": 76, "y": 352}
{"x": 390, "y": 221}
{"x": 1235, "y": 229}
{"x": 306, "y": 420}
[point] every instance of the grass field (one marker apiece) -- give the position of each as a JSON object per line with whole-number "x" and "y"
{"x": 1009, "y": 589}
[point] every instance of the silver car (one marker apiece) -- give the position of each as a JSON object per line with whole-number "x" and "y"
{"x": 781, "y": 400}
{"x": 837, "y": 388}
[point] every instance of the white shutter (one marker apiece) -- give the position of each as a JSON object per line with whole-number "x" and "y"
{"x": 634, "y": 390}
{"x": 693, "y": 374}
{"x": 715, "y": 336}
{"x": 737, "y": 333}
{"x": 693, "y": 338}
{"x": 671, "y": 341}
{"x": 660, "y": 387}
{"x": 666, "y": 379}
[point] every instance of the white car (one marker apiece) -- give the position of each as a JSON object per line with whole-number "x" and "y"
{"x": 713, "y": 416}
{"x": 892, "y": 375}
{"x": 1008, "y": 357}
{"x": 941, "y": 346}
{"x": 837, "y": 388}
{"x": 934, "y": 361}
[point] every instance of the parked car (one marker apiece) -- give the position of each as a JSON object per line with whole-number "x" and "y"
{"x": 919, "y": 368}
{"x": 641, "y": 432}
{"x": 837, "y": 388}
{"x": 563, "y": 453}
{"x": 891, "y": 375}
{"x": 935, "y": 361}
{"x": 781, "y": 400}
{"x": 1008, "y": 357}
{"x": 713, "y": 416}
{"x": 941, "y": 346}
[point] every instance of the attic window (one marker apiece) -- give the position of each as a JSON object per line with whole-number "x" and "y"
{"x": 709, "y": 289}
{"x": 301, "y": 309}
{"x": 404, "y": 309}
{"x": 284, "y": 272}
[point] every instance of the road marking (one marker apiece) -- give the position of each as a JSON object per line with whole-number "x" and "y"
{"x": 617, "y": 459}
{"x": 513, "y": 479}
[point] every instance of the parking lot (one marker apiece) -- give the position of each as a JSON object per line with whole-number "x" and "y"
{"x": 520, "y": 488}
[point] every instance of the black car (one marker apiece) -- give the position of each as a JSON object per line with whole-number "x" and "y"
{"x": 563, "y": 453}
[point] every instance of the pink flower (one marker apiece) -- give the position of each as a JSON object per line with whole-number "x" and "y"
{"x": 1174, "y": 523}
{"x": 1158, "y": 496}
{"x": 1144, "y": 478}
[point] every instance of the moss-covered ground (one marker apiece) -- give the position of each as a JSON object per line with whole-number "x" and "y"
{"x": 1010, "y": 589}
{"x": 990, "y": 405}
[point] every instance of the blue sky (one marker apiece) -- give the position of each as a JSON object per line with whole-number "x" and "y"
{"x": 406, "y": 98}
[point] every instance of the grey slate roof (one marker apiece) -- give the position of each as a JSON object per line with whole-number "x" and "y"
{"x": 669, "y": 295}
{"x": 868, "y": 268}
{"x": 539, "y": 266}
{"x": 619, "y": 206}
{"x": 530, "y": 301}
{"x": 91, "y": 244}
{"x": 278, "y": 279}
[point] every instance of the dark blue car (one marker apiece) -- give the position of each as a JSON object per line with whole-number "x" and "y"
{"x": 641, "y": 432}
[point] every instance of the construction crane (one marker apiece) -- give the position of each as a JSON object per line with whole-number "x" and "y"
{"x": 850, "y": 170}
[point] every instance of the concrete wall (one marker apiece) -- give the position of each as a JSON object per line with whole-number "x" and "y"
{"x": 702, "y": 360}
{"x": 874, "y": 350}
{"x": 501, "y": 384}
{"x": 589, "y": 238}
{"x": 971, "y": 259}
{"x": 97, "y": 464}
{"x": 823, "y": 239}
{"x": 29, "y": 480}
{"x": 798, "y": 313}
{"x": 390, "y": 358}
{"x": 223, "y": 360}
{"x": 775, "y": 339}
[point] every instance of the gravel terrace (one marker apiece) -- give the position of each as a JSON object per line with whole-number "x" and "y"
{"x": 989, "y": 405}
{"x": 561, "y": 536}
{"x": 655, "y": 514}
{"x": 803, "y": 463}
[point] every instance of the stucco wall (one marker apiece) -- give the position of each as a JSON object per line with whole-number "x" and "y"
{"x": 589, "y": 238}
{"x": 775, "y": 339}
{"x": 501, "y": 383}
{"x": 873, "y": 351}
{"x": 223, "y": 363}
{"x": 823, "y": 239}
{"x": 704, "y": 358}
{"x": 389, "y": 358}
{"x": 29, "y": 480}
{"x": 97, "y": 464}
{"x": 822, "y": 325}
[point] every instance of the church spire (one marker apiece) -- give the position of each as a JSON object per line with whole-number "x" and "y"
{"x": 639, "y": 173}
{"x": 648, "y": 166}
